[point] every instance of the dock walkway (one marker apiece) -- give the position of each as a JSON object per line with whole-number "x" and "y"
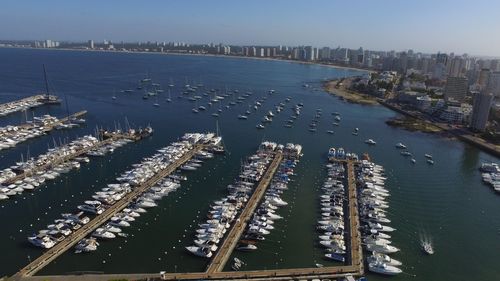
{"x": 85, "y": 230}
{"x": 220, "y": 259}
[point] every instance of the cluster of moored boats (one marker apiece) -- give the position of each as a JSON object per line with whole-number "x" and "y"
{"x": 331, "y": 225}
{"x": 48, "y": 166}
{"x": 224, "y": 212}
{"x": 406, "y": 153}
{"x": 11, "y": 135}
{"x": 490, "y": 173}
{"x": 262, "y": 221}
{"x": 112, "y": 193}
{"x": 23, "y": 104}
{"x": 372, "y": 203}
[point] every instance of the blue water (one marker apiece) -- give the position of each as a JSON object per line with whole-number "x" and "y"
{"x": 446, "y": 201}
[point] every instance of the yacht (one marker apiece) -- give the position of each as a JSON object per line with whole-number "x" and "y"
{"x": 241, "y": 116}
{"x": 370, "y": 142}
{"x": 335, "y": 257}
{"x": 42, "y": 240}
{"x": 428, "y": 156}
{"x": 102, "y": 233}
{"x": 383, "y": 258}
{"x": 383, "y": 268}
{"x": 400, "y": 146}
{"x": 199, "y": 251}
{"x": 430, "y": 161}
{"x": 427, "y": 247}
{"x": 246, "y": 247}
{"x": 260, "y": 126}
{"x": 86, "y": 245}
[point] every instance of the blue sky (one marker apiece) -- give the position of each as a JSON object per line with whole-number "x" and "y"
{"x": 425, "y": 25}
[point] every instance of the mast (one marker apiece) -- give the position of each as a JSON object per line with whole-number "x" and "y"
{"x": 46, "y": 82}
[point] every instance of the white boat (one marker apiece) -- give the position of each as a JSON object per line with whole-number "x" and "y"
{"x": 427, "y": 247}
{"x": 199, "y": 251}
{"x": 86, "y": 245}
{"x": 260, "y": 126}
{"x": 400, "y": 146}
{"x": 102, "y": 233}
{"x": 383, "y": 258}
{"x": 370, "y": 142}
{"x": 246, "y": 247}
{"x": 383, "y": 268}
{"x": 42, "y": 241}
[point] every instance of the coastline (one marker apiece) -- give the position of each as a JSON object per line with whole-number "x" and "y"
{"x": 201, "y": 55}
{"x": 332, "y": 87}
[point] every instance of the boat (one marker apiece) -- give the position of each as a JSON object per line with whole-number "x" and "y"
{"x": 199, "y": 251}
{"x": 246, "y": 247}
{"x": 260, "y": 126}
{"x": 243, "y": 117}
{"x": 370, "y": 142}
{"x": 427, "y": 247}
{"x": 430, "y": 161}
{"x": 413, "y": 160}
{"x": 428, "y": 156}
{"x": 86, "y": 245}
{"x": 383, "y": 268}
{"x": 102, "y": 233}
{"x": 42, "y": 240}
{"x": 400, "y": 146}
{"x": 330, "y": 132}
{"x": 335, "y": 257}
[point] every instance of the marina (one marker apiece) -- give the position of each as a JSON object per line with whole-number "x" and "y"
{"x": 164, "y": 164}
{"x": 416, "y": 189}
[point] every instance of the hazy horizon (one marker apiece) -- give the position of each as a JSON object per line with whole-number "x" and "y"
{"x": 425, "y": 26}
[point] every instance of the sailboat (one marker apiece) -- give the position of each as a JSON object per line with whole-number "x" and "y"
{"x": 169, "y": 99}
{"x": 156, "y": 103}
{"x": 195, "y": 108}
{"x": 114, "y": 95}
{"x": 171, "y": 84}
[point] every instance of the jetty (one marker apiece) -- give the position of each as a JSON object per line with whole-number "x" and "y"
{"x": 26, "y": 103}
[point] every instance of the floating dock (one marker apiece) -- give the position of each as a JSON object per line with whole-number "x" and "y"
{"x": 52, "y": 253}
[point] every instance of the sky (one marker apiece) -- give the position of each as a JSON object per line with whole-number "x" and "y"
{"x": 427, "y": 26}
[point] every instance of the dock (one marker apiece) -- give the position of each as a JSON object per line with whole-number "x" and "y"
{"x": 28, "y": 102}
{"x": 220, "y": 259}
{"x": 61, "y": 247}
{"x": 215, "y": 268}
{"x": 110, "y": 139}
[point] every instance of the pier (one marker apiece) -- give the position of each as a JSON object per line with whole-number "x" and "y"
{"x": 28, "y": 102}
{"x": 220, "y": 259}
{"x": 214, "y": 270}
{"x": 111, "y": 137}
{"x": 52, "y": 253}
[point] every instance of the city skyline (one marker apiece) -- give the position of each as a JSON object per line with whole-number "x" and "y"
{"x": 424, "y": 26}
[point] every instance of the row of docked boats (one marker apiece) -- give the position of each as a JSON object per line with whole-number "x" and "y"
{"x": 30, "y": 173}
{"x": 11, "y": 135}
{"x": 262, "y": 222}
{"x": 490, "y": 173}
{"x": 296, "y": 109}
{"x": 222, "y": 213}
{"x": 375, "y": 231}
{"x": 24, "y": 104}
{"x": 127, "y": 182}
{"x": 331, "y": 224}
{"x": 315, "y": 121}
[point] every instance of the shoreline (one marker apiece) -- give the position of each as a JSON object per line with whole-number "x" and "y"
{"x": 333, "y": 88}
{"x": 201, "y": 55}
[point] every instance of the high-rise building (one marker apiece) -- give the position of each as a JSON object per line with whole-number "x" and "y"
{"x": 309, "y": 53}
{"x": 324, "y": 54}
{"x": 456, "y": 88}
{"x": 91, "y": 44}
{"x": 493, "y": 85}
{"x": 482, "y": 79}
{"x": 481, "y": 110}
{"x": 261, "y": 52}
{"x": 457, "y": 67}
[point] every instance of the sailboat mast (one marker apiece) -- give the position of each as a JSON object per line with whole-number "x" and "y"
{"x": 46, "y": 82}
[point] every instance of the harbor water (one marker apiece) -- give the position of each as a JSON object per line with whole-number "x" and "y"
{"x": 446, "y": 201}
